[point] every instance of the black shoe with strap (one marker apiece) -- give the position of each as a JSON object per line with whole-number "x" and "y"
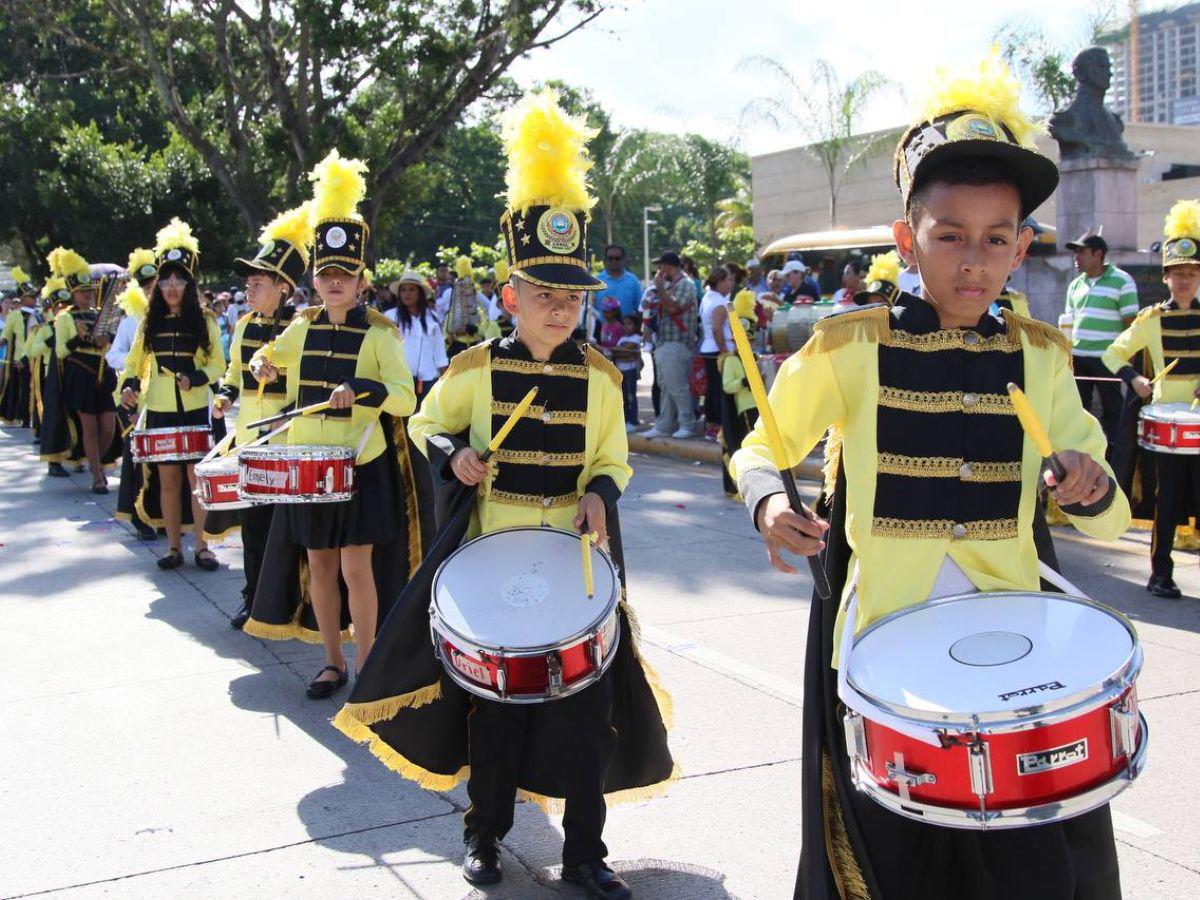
{"x": 482, "y": 864}
{"x": 320, "y": 688}
{"x": 206, "y": 560}
{"x": 173, "y": 559}
{"x": 144, "y": 531}
{"x": 57, "y": 470}
{"x": 1164, "y": 586}
{"x": 598, "y": 880}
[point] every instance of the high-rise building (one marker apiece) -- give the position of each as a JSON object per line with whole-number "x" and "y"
{"x": 1168, "y": 87}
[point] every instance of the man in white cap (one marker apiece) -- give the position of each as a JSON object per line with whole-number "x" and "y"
{"x": 797, "y": 287}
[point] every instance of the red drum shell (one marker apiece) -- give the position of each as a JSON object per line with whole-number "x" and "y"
{"x": 1169, "y": 428}
{"x": 185, "y": 443}
{"x": 296, "y": 473}
{"x": 217, "y": 484}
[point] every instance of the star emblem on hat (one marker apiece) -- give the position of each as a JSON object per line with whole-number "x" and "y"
{"x": 524, "y": 239}
{"x": 520, "y": 224}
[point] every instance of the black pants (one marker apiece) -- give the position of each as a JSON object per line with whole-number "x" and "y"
{"x": 712, "y": 393}
{"x": 629, "y": 383}
{"x": 1109, "y": 393}
{"x": 576, "y": 731}
{"x": 256, "y": 524}
{"x": 1178, "y": 480}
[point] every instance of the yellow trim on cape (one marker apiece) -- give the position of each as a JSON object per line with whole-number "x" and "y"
{"x": 872, "y": 324}
{"x": 1039, "y": 334}
{"x": 604, "y": 364}
{"x": 474, "y": 358}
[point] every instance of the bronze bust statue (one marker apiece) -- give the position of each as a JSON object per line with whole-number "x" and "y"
{"x": 1087, "y": 128}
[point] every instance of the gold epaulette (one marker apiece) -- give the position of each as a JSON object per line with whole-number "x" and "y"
{"x": 310, "y": 312}
{"x": 472, "y": 358}
{"x": 376, "y": 319}
{"x": 603, "y": 364}
{"x": 1154, "y": 309}
{"x": 871, "y": 323}
{"x": 1039, "y": 334}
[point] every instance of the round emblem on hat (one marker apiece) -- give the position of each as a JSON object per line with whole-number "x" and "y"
{"x": 174, "y": 254}
{"x": 1184, "y": 247}
{"x": 266, "y": 250}
{"x": 84, "y": 278}
{"x": 973, "y": 127}
{"x": 335, "y": 237}
{"x": 558, "y": 230}
{"x": 63, "y": 294}
{"x": 147, "y": 270}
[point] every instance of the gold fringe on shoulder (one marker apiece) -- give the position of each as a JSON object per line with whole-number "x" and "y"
{"x": 603, "y": 364}
{"x": 388, "y": 707}
{"x": 871, "y": 325}
{"x": 839, "y": 851}
{"x": 833, "y": 459}
{"x": 1039, "y": 334}
{"x": 377, "y": 319}
{"x": 310, "y": 313}
{"x": 475, "y": 358}
{"x": 401, "y": 765}
{"x": 1149, "y": 312}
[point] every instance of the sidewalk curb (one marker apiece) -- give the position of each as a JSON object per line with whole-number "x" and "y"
{"x": 696, "y": 450}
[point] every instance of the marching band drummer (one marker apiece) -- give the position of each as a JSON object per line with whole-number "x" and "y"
{"x": 335, "y": 352}
{"x": 175, "y": 356}
{"x": 1170, "y": 333}
{"x": 54, "y": 431}
{"x": 15, "y": 406}
{"x": 87, "y": 382}
{"x": 937, "y": 489}
{"x": 271, "y": 277}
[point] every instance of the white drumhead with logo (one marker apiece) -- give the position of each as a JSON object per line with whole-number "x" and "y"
{"x": 523, "y": 588}
{"x": 1179, "y": 413}
{"x": 991, "y": 655}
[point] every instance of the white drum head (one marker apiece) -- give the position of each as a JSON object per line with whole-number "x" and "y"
{"x": 522, "y": 588}
{"x": 1179, "y": 413}
{"x": 989, "y": 654}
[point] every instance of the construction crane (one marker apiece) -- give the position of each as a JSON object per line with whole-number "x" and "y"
{"x": 1132, "y": 62}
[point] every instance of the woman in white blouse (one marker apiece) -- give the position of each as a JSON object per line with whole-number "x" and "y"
{"x": 424, "y": 343}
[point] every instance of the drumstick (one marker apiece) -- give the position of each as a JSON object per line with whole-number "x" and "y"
{"x": 302, "y": 411}
{"x": 775, "y": 439}
{"x": 509, "y": 425}
{"x": 1157, "y": 378}
{"x": 585, "y": 544}
{"x": 269, "y": 350}
{"x": 1033, "y": 428}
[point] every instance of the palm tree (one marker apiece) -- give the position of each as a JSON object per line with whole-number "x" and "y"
{"x": 735, "y": 211}
{"x": 624, "y": 168}
{"x": 826, "y": 111}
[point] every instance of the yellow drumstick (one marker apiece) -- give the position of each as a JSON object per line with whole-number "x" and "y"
{"x": 1037, "y": 433}
{"x": 302, "y": 411}
{"x": 1159, "y": 377}
{"x": 775, "y": 439}
{"x": 267, "y": 352}
{"x": 585, "y": 544}
{"x": 509, "y": 425}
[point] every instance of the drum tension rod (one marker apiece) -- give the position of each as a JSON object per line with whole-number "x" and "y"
{"x": 906, "y": 780}
{"x": 554, "y": 675}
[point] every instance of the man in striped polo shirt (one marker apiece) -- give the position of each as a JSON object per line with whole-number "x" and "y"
{"x": 1102, "y": 301}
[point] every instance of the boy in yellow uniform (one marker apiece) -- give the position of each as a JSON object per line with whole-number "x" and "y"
{"x": 738, "y": 410}
{"x": 564, "y": 465}
{"x": 937, "y": 488}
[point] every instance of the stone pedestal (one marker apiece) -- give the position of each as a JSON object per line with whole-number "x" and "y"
{"x": 1098, "y": 191}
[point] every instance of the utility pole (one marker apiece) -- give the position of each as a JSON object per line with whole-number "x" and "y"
{"x": 646, "y": 223}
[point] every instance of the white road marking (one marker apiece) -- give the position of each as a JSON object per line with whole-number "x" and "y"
{"x": 1133, "y": 826}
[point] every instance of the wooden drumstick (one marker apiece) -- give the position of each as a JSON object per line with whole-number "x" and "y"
{"x": 585, "y": 544}
{"x": 509, "y": 425}
{"x": 1033, "y": 427}
{"x": 292, "y": 414}
{"x": 775, "y": 439}
{"x": 269, "y": 350}
{"x": 1161, "y": 375}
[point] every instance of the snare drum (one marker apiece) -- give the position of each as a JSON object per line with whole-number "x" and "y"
{"x": 996, "y": 710}
{"x": 183, "y": 443}
{"x": 524, "y": 632}
{"x": 1169, "y": 428}
{"x": 217, "y": 484}
{"x": 295, "y": 473}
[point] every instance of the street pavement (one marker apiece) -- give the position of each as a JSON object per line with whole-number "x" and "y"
{"x": 149, "y": 750}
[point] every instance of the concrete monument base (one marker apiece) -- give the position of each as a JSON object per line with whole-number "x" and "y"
{"x": 1098, "y": 191}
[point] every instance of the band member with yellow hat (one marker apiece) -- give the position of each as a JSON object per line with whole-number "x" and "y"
{"x": 15, "y": 406}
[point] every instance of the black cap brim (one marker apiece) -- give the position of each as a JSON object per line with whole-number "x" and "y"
{"x": 248, "y": 267}
{"x": 560, "y": 275}
{"x": 1036, "y": 175}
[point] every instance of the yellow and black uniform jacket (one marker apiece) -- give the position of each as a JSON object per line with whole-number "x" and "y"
{"x": 70, "y": 347}
{"x": 17, "y": 325}
{"x": 936, "y": 463}
{"x": 249, "y": 335}
{"x": 179, "y": 353}
{"x": 37, "y": 342}
{"x": 1169, "y": 334}
{"x": 364, "y": 352}
{"x": 734, "y": 383}
{"x": 571, "y": 441}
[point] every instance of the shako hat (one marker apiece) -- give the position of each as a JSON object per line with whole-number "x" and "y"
{"x": 975, "y": 112}
{"x": 1182, "y": 232}
{"x": 25, "y": 285}
{"x": 72, "y": 268}
{"x": 545, "y": 220}
{"x": 283, "y": 250}
{"x": 339, "y": 234}
{"x": 175, "y": 247}
{"x": 142, "y": 265}
{"x": 883, "y": 278}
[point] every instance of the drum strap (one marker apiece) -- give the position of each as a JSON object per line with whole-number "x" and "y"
{"x": 1056, "y": 579}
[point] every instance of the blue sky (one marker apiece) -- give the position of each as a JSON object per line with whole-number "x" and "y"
{"x": 672, "y": 64}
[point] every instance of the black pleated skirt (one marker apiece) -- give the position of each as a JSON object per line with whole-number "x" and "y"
{"x": 81, "y": 391}
{"x": 369, "y": 517}
{"x": 177, "y": 419}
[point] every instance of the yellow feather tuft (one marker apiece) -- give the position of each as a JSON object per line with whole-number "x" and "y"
{"x": 462, "y": 267}
{"x": 884, "y": 267}
{"x": 368, "y": 277}
{"x": 175, "y": 234}
{"x": 743, "y": 304}
{"x": 338, "y": 188}
{"x": 293, "y": 226}
{"x": 139, "y": 257}
{"x": 989, "y": 87}
{"x": 133, "y": 300}
{"x": 1183, "y": 220}
{"x": 19, "y": 275}
{"x": 502, "y": 271}
{"x": 53, "y": 284}
{"x": 64, "y": 262}
{"x": 547, "y": 160}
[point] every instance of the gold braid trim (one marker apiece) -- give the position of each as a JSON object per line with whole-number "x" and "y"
{"x": 474, "y": 358}
{"x": 944, "y": 402}
{"x": 401, "y": 765}
{"x": 389, "y": 707}
{"x": 1182, "y": 332}
{"x": 851, "y": 884}
{"x": 536, "y": 458}
{"x": 529, "y": 367}
{"x": 951, "y": 339}
{"x": 833, "y": 459}
{"x": 1181, "y": 354}
{"x": 832, "y": 333}
{"x": 416, "y": 550}
{"x": 1039, "y": 334}
{"x": 942, "y": 529}
{"x": 558, "y": 417}
{"x": 948, "y": 467}
{"x": 1175, "y": 313}
{"x": 599, "y": 361}
{"x": 534, "y": 500}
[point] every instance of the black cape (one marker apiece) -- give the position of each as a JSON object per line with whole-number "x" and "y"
{"x": 414, "y": 717}
{"x": 14, "y": 397}
{"x": 854, "y": 848}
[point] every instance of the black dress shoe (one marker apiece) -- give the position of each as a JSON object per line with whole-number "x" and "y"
{"x": 598, "y": 880}
{"x": 482, "y": 864}
{"x": 57, "y": 470}
{"x": 145, "y": 532}
{"x": 319, "y": 690}
{"x": 173, "y": 559}
{"x": 241, "y": 618}
{"x": 1164, "y": 586}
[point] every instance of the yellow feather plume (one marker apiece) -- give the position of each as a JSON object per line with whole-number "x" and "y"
{"x": 1183, "y": 220}
{"x": 19, "y": 275}
{"x": 368, "y": 277}
{"x": 53, "y": 284}
{"x": 138, "y": 257}
{"x": 885, "y": 267}
{"x": 462, "y": 267}
{"x": 502, "y": 271}
{"x": 989, "y": 87}
{"x": 743, "y": 304}
{"x": 133, "y": 300}
{"x": 65, "y": 263}
{"x": 338, "y": 188}
{"x": 175, "y": 233}
{"x": 547, "y": 160}
{"x": 292, "y": 226}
